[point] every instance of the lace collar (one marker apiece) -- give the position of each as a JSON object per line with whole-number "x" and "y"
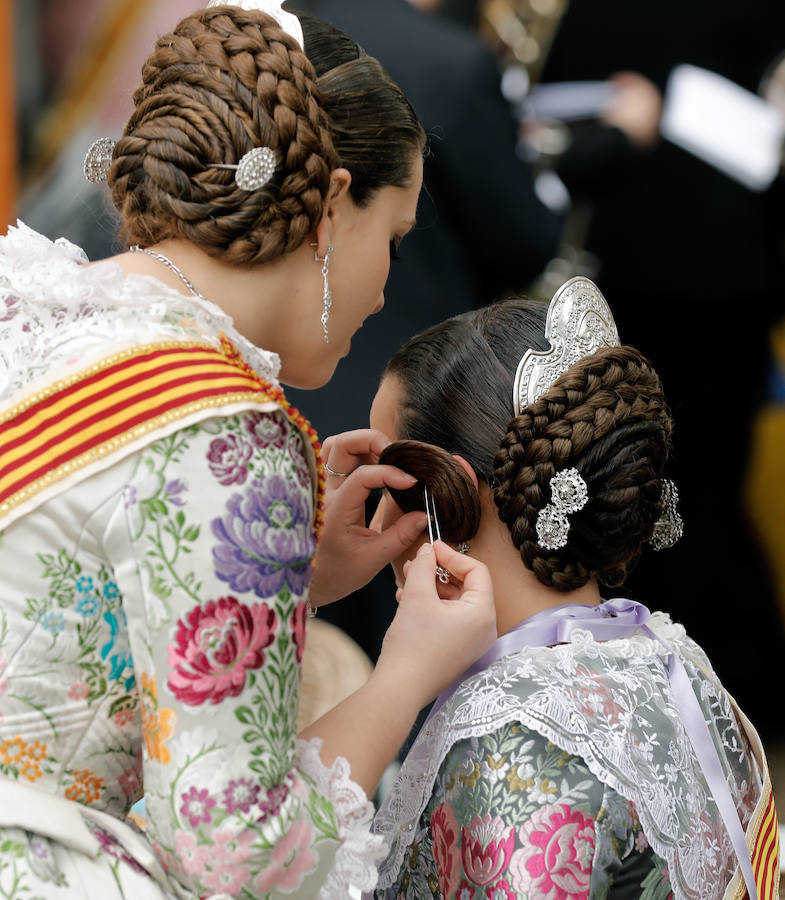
{"x": 56, "y": 314}
{"x": 610, "y": 703}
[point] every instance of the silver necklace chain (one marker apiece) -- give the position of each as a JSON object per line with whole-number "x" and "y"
{"x": 170, "y": 265}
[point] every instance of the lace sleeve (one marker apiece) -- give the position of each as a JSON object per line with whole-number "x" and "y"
{"x": 513, "y": 816}
{"x": 213, "y": 552}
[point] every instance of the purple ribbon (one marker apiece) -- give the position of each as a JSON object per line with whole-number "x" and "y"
{"x": 611, "y": 620}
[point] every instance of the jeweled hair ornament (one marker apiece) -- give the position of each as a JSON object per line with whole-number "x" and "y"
{"x": 98, "y": 160}
{"x": 670, "y": 526}
{"x": 288, "y": 22}
{"x": 569, "y": 494}
{"x": 579, "y": 322}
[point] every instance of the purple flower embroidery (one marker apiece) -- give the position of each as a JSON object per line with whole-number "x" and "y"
{"x": 271, "y": 806}
{"x": 174, "y": 488}
{"x": 240, "y": 795}
{"x": 115, "y": 849}
{"x": 228, "y": 459}
{"x": 266, "y": 539}
{"x": 196, "y": 806}
{"x": 266, "y": 430}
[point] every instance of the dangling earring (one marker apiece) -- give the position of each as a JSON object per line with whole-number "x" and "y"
{"x": 463, "y": 547}
{"x": 327, "y": 296}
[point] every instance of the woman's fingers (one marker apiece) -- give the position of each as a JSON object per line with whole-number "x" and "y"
{"x": 344, "y": 452}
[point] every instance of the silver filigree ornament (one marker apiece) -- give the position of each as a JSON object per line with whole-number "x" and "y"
{"x": 579, "y": 322}
{"x": 670, "y": 526}
{"x": 569, "y": 494}
{"x": 98, "y": 160}
{"x": 255, "y": 169}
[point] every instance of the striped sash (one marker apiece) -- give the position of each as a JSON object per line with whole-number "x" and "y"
{"x": 762, "y": 831}
{"x": 92, "y": 418}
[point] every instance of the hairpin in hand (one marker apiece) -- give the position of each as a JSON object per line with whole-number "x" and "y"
{"x": 433, "y": 524}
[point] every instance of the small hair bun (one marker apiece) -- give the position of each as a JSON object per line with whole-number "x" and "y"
{"x": 457, "y": 499}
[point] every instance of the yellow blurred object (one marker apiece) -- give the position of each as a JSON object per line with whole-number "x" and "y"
{"x": 333, "y": 667}
{"x": 8, "y": 141}
{"x": 766, "y": 478}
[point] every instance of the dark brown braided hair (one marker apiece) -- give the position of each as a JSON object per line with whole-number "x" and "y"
{"x": 227, "y": 80}
{"x": 606, "y": 416}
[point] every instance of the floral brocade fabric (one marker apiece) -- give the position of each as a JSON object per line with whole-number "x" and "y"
{"x": 513, "y": 817}
{"x": 152, "y": 626}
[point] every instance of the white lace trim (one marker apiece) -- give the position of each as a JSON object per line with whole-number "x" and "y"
{"x": 356, "y": 860}
{"x": 58, "y": 315}
{"x": 611, "y": 704}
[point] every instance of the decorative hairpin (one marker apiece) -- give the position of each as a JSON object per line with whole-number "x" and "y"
{"x": 670, "y": 525}
{"x": 569, "y": 493}
{"x": 255, "y": 169}
{"x": 98, "y": 160}
{"x": 430, "y": 508}
{"x": 579, "y": 322}
{"x": 288, "y": 21}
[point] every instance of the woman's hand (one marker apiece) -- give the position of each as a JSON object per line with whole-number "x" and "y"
{"x": 438, "y": 630}
{"x": 349, "y": 554}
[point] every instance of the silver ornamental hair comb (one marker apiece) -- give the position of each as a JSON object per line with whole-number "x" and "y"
{"x": 579, "y": 322}
{"x": 430, "y": 508}
{"x": 98, "y": 160}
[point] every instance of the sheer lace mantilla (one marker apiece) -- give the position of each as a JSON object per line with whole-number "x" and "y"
{"x": 611, "y": 704}
{"x": 57, "y": 314}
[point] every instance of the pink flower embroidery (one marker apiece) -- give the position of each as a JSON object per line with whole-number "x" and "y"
{"x": 266, "y": 430}
{"x": 556, "y": 857}
{"x": 500, "y": 891}
{"x": 485, "y": 849}
{"x": 227, "y": 878}
{"x": 465, "y": 891}
{"x": 130, "y": 781}
{"x": 214, "y": 648}
{"x": 292, "y": 859}
{"x": 298, "y": 630}
{"x": 228, "y": 459}
{"x": 79, "y": 690}
{"x": 233, "y": 848}
{"x": 196, "y": 806}
{"x": 193, "y": 859}
{"x": 444, "y": 829}
{"x": 123, "y": 717}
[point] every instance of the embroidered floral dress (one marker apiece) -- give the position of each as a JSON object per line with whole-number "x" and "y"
{"x": 564, "y": 773}
{"x": 152, "y": 626}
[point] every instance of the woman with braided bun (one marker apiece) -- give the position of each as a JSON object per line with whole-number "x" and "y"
{"x": 160, "y": 499}
{"x": 591, "y": 752}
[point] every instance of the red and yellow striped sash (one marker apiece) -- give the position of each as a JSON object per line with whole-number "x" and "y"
{"x": 765, "y": 851}
{"x": 114, "y": 403}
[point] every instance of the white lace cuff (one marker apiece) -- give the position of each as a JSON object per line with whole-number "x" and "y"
{"x": 355, "y": 864}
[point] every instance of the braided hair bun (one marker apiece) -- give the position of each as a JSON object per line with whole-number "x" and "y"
{"x": 224, "y": 81}
{"x": 607, "y": 417}
{"x": 228, "y": 80}
{"x": 456, "y": 498}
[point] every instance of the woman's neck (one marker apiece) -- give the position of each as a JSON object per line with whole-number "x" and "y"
{"x": 518, "y": 593}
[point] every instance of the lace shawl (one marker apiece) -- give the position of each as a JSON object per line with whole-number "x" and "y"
{"x": 58, "y": 315}
{"x": 611, "y": 704}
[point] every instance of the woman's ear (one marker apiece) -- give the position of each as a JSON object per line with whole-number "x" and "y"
{"x": 467, "y": 467}
{"x": 337, "y": 197}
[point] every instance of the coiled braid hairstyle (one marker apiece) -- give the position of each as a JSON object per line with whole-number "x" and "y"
{"x": 227, "y": 80}
{"x": 606, "y": 416}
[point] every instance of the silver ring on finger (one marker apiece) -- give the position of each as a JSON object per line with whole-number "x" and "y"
{"x": 331, "y": 471}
